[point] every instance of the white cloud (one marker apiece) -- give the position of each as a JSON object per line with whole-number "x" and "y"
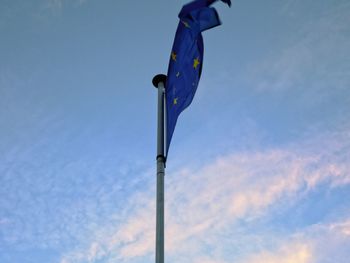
{"x": 316, "y": 243}
{"x": 291, "y": 253}
{"x": 202, "y": 204}
{"x": 208, "y": 260}
{"x": 341, "y": 227}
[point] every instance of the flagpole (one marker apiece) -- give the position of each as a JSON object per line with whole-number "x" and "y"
{"x": 159, "y": 82}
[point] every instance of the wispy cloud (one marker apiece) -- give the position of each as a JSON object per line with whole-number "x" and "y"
{"x": 342, "y": 227}
{"x": 203, "y": 204}
{"x": 73, "y": 201}
{"x": 291, "y": 253}
{"x": 315, "y": 243}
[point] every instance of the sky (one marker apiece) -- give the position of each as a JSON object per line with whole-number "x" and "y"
{"x": 259, "y": 166}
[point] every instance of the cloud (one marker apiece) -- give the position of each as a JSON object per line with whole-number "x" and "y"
{"x": 202, "y": 205}
{"x": 342, "y": 227}
{"x": 315, "y": 243}
{"x": 330, "y": 241}
{"x": 291, "y": 253}
{"x": 208, "y": 260}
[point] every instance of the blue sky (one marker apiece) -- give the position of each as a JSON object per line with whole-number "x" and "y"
{"x": 259, "y": 166}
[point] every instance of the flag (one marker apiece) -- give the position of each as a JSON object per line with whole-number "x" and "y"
{"x": 186, "y": 59}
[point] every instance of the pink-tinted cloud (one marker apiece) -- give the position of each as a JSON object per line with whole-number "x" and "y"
{"x": 201, "y": 204}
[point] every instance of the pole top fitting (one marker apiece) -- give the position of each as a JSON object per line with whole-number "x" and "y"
{"x": 158, "y": 79}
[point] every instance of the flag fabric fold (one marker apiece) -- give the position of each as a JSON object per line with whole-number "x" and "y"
{"x": 186, "y": 59}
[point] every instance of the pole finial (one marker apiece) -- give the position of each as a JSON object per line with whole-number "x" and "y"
{"x": 157, "y": 79}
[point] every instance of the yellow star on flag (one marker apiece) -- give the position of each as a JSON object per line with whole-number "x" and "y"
{"x": 186, "y": 24}
{"x": 175, "y": 101}
{"x": 196, "y": 62}
{"x": 173, "y": 56}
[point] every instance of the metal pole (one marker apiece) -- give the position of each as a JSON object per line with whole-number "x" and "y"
{"x": 159, "y": 82}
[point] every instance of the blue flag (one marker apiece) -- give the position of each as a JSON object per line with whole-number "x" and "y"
{"x": 186, "y": 60}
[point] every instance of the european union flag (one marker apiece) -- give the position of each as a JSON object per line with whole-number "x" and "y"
{"x": 186, "y": 60}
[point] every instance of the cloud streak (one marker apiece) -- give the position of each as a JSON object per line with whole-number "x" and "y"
{"x": 293, "y": 253}
{"x": 201, "y": 205}
{"x": 316, "y": 243}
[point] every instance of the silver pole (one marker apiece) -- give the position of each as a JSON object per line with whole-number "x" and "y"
{"x": 159, "y": 82}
